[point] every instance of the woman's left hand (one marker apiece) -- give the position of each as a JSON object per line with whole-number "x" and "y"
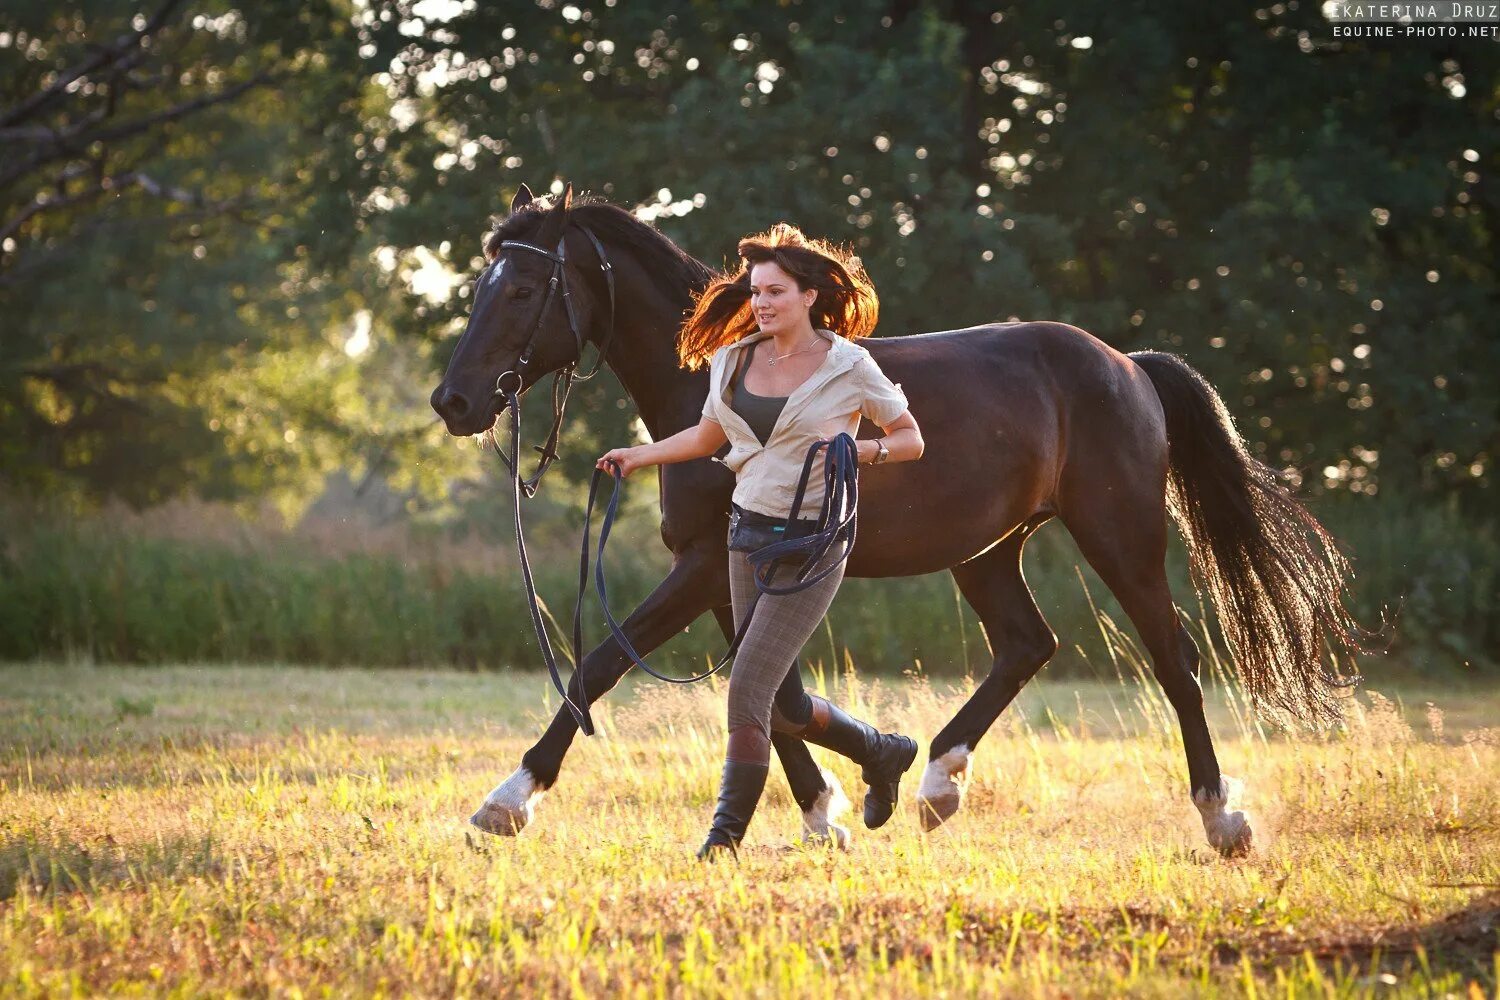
{"x": 629, "y": 460}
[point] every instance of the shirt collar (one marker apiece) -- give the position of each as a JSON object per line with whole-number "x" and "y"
{"x": 842, "y": 356}
{"x": 840, "y": 344}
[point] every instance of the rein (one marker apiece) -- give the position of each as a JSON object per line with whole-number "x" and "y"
{"x": 836, "y": 519}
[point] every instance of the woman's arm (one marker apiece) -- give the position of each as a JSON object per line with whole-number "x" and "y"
{"x": 903, "y": 439}
{"x": 694, "y": 442}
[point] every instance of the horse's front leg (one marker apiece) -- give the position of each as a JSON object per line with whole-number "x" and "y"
{"x": 698, "y": 581}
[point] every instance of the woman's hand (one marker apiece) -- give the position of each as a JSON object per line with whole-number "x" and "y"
{"x": 630, "y": 459}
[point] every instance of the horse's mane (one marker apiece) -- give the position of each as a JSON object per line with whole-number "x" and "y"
{"x": 678, "y": 272}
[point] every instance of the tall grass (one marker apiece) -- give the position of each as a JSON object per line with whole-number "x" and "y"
{"x": 193, "y": 583}
{"x": 277, "y": 831}
{"x": 93, "y": 592}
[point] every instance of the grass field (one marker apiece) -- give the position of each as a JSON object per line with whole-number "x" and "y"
{"x": 267, "y": 830}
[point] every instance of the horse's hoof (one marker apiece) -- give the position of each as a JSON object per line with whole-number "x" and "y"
{"x": 511, "y": 806}
{"x": 942, "y": 789}
{"x": 818, "y": 822}
{"x": 1229, "y": 833}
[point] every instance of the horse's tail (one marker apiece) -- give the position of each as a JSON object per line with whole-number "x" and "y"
{"x": 1275, "y": 575}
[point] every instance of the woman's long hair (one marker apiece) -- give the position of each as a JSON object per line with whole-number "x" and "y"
{"x": 846, "y": 302}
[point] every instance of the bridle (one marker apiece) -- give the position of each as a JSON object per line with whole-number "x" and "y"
{"x": 563, "y": 379}
{"x": 836, "y": 520}
{"x": 562, "y": 385}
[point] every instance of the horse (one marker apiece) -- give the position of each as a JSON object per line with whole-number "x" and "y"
{"x": 1025, "y": 422}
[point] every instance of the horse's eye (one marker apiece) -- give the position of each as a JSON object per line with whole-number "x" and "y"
{"x": 522, "y": 293}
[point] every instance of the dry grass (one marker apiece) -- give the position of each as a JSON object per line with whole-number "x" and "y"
{"x": 262, "y": 830}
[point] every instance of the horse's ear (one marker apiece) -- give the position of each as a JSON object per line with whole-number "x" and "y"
{"x": 556, "y": 219}
{"x": 522, "y": 199}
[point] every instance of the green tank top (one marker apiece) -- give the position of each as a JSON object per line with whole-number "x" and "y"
{"x": 760, "y": 412}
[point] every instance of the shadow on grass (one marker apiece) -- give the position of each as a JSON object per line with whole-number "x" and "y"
{"x": 1447, "y": 953}
{"x": 50, "y": 866}
{"x": 1464, "y": 943}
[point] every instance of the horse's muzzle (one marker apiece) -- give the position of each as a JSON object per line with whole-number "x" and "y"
{"x": 462, "y": 415}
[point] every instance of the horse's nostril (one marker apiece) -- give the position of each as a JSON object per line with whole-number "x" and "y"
{"x": 450, "y": 404}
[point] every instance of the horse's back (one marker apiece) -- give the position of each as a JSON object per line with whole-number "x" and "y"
{"x": 1011, "y": 413}
{"x": 1025, "y": 370}
{"x": 1027, "y": 348}
{"x": 989, "y": 410}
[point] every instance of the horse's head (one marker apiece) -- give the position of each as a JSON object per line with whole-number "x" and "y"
{"x": 520, "y": 327}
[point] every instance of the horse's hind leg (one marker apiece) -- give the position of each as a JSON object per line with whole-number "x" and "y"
{"x": 1125, "y": 540}
{"x": 1020, "y": 641}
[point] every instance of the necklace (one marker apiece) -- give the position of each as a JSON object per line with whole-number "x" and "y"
{"x": 771, "y": 361}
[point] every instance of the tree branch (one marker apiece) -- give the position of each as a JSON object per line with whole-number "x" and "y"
{"x": 122, "y": 47}
{"x": 65, "y": 144}
{"x": 111, "y": 184}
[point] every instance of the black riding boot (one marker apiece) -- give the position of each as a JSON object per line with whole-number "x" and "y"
{"x": 884, "y": 757}
{"x": 739, "y": 791}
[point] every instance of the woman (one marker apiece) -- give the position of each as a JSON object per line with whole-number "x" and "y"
{"x": 784, "y": 372}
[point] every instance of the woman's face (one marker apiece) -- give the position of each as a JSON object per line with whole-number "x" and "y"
{"x": 778, "y": 303}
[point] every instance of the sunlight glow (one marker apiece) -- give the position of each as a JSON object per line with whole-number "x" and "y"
{"x": 440, "y": 10}
{"x": 432, "y": 279}
{"x": 666, "y": 208}
{"x": 358, "y": 341}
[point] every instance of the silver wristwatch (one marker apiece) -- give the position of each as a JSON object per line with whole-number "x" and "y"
{"x": 883, "y": 454}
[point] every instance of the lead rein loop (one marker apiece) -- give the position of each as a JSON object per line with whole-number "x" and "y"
{"x": 837, "y": 521}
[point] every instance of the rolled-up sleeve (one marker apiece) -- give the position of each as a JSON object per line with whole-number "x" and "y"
{"x": 882, "y": 400}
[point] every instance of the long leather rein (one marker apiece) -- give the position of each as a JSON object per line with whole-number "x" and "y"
{"x": 837, "y": 517}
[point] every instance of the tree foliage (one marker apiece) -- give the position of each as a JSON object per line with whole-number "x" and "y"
{"x": 182, "y": 252}
{"x": 1309, "y": 220}
{"x": 199, "y": 198}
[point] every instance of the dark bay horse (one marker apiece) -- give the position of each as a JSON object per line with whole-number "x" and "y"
{"x": 1024, "y": 422}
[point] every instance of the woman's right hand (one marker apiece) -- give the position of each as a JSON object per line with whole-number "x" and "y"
{"x": 629, "y": 459}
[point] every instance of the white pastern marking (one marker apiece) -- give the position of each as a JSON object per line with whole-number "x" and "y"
{"x": 942, "y": 789}
{"x": 1228, "y": 832}
{"x": 511, "y": 806}
{"x": 819, "y": 823}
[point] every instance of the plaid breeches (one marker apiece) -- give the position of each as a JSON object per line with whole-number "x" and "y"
{"x": 780, "y": 627}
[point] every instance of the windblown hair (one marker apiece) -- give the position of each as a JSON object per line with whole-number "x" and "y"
{"x": 846, "y": 302}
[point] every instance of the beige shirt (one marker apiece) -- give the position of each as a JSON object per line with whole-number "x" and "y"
{"x": 847, "y": 385}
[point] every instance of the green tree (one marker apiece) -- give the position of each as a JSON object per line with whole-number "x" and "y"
{"x": 182, "y": 203}
{"x": 1305, "y": 218}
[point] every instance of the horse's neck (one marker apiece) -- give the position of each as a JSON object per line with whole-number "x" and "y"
{"x": 644, "y": 358}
